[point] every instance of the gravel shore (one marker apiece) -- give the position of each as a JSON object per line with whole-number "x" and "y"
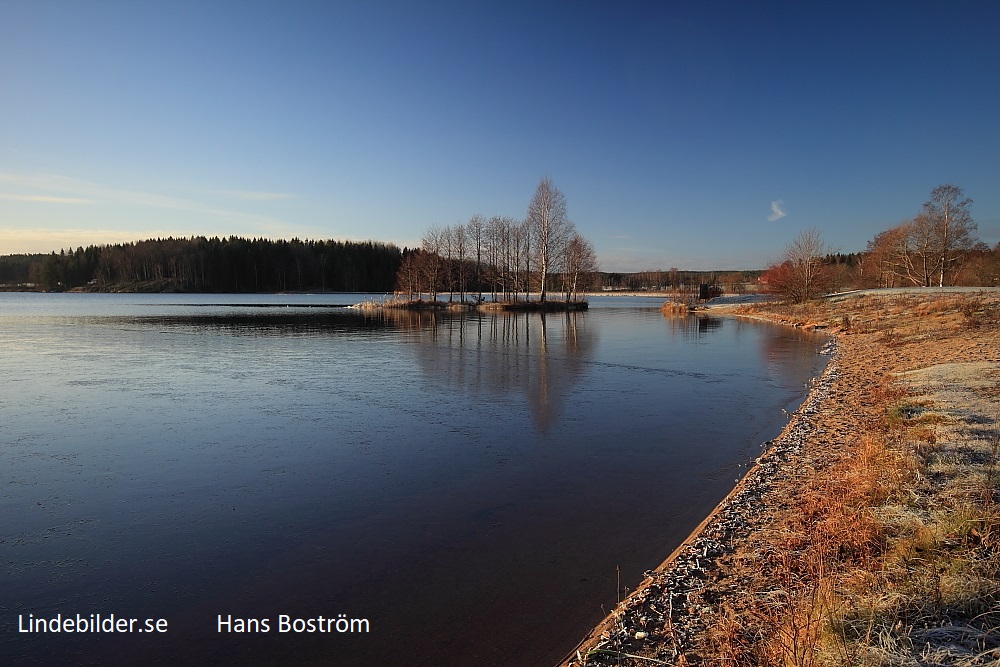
{"x": 669, "y": 610}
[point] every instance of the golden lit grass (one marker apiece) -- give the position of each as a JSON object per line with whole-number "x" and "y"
{"x": 396, "y": 302}
{"x": 675, "y": 308}
{"x": 865, "y": 572}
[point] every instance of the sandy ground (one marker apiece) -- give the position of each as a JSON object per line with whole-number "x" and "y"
{"x": 922, "y": 340}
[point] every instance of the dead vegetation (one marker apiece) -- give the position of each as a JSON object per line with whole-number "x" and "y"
{"x": 879, "y": 543}
{"x": 675, "y": 308}
{"x": 889, "y": 553}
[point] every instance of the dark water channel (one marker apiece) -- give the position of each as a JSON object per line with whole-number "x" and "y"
{"x": 468, "y": 485}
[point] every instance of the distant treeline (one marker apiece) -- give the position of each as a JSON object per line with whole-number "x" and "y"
{"x": 200, "y": 264}
{"x": 667, "y": 280}
{"x": 235, "y": 264}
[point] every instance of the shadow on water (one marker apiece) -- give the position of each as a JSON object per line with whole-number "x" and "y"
{"x": 271, "y": 322}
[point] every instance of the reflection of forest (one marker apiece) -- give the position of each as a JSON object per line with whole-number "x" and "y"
{"x": 541, "y": 356}
{"x": 692, "y": 326}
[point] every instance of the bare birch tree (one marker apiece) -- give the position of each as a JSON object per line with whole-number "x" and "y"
{"x": 447, "y": 239}
{"x": 431, "y": 244}
{"x": 460, "y": 239}
{"x": 580, "y": 260}
{"x": 550, "y": 228}
{"x": 886, "y": 254}
{"x": 475, "y": 227}
{"x": 410, "y": 272}
{"x": 806, "y": 254}
{"x": 518, "y": 242}
{"x": 801, "y": 275}
{"x": 526, "y": 258}
{"x": 907, "y": 252}
{"x": 918, "y": 254}
{"x": 494, "y": 252}
{"x": 948, "y": 213}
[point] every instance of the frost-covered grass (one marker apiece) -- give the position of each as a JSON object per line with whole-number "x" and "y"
{"x": 891, "y": 555}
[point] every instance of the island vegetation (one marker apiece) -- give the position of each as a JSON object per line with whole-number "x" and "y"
{"x": 503, "y": 259}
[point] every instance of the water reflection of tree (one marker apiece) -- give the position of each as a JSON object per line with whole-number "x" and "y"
{"x": 539, "y": 356}
{"x": 402, "y": 319}
{"x": 787, "y": 348}
{"x": 692, "y": 326}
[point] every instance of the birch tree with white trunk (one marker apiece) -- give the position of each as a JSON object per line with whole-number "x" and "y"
{"x": 948, "y": 212}
{"x": 550, "y": 228}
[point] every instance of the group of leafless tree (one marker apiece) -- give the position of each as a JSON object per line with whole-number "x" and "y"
{"x": 502, "y": 256}
{"x": 925, "y": 250}
{"x": 937, "y": 247}
{"x": 802, "y": 274}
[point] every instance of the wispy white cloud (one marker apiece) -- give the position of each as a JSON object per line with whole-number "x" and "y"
{"x": 80, "y": 190}
{"x": 34, "y": 240}
{"x": 777, "y": 210}
{"x": 46, "y": 240}
{"x": 254, "y": 196}
{"x": 45, "y": 199}
{"x": 110, "y": 214}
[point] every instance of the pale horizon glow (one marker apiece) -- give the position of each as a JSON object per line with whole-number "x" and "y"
{"x": 27, "y": 241}
{"x": 46, "y": 199}
{"x": 254, "y": 196}
{"x": 375, "y": 121}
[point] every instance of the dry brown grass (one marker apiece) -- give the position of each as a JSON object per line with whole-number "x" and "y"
{"x": 828, "y": 543}
{"x": 889, "y": 555}
{"x": 879, "y": 544}
{"x": 675, "y": 308}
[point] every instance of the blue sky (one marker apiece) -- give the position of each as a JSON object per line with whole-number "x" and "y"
{"x": 698, "y": 135}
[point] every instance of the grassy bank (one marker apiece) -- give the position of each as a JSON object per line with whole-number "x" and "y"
{"x": 876, "y": 539}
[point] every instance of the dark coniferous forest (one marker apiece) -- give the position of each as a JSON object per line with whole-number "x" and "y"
{"x": 200, "y": 264}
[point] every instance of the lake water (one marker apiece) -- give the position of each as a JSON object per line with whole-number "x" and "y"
{"x": 465, "y": 487}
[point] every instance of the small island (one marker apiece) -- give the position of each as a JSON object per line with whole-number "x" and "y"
{"x": 525, "y": 306}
